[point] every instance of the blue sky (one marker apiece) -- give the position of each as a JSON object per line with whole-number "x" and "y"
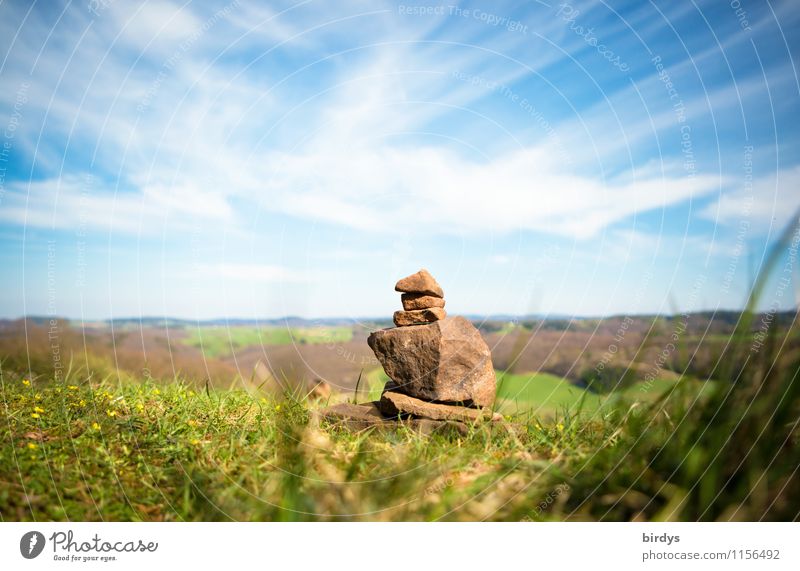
{"x": 214, "y": 159}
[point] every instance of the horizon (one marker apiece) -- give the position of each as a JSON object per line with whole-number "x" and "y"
{"x": 372, "y": 318}
{"x": 219, "y": 158}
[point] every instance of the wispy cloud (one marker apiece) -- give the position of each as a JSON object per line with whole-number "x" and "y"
{"x": 768, "y": 203}
{"x": 255, "y": 273}
{"x": 435, "y": 191}
{"x": 87, "y": 203}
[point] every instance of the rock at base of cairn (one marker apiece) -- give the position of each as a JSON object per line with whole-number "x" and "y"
{"x": 446, "y": 361}
{"x": 368, "y": 415}
{"x": 394, "y": 404}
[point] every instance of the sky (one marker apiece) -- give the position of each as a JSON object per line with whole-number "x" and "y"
{"x": 233, "y": 159}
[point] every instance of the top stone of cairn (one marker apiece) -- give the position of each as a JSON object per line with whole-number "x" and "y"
{"x": 421, "y": 282}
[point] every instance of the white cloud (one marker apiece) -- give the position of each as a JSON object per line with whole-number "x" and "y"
{"x": 501, "y": 259}
{"x": 768, "y": 205}
{"x": 85, "y": 202}
{"x": 263, "y": 273}
{"x": 431, "y": 190}
{"x": 156, "y": 22}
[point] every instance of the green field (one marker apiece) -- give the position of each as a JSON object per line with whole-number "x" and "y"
{"x": 371, "y": 385}
{"x": 545, "y": 395}
{"x": 540, "y": 394}
{"x": 222, "y": 341}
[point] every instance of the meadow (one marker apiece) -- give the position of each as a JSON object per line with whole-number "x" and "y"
{"x": 715, "y": 435}
{"x": 86, "y": 448}
{"x": 224, "y": 341}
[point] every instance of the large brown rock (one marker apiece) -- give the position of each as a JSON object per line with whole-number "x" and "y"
{"x": 396, "y": 405}
{"x": 412, "y": 301}
{"x": 445, "y": 361}
{"x": 417, "y": 316}
{"x": 421, "y": 282}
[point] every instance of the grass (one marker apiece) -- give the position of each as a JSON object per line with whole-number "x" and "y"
{"x": 79, "y": 448}
{"x": 84, "y": 450}
{"x": 145, "y": 452}
{"x": 223, "y": 341}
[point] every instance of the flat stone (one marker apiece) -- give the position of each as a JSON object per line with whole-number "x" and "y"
{"x": 368, "y": 415}
{"x": 418, "y": 316}
{"x": 412, "y": 301}
{"x": 394, "y": 404}
{"x": 445, "y": 361}
{"x": 354, "y": 415}
{"x": 421, "y": 282}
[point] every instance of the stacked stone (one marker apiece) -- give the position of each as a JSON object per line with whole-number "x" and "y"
{"x": 440, "y": 367}
{"x": 422, "y": 298}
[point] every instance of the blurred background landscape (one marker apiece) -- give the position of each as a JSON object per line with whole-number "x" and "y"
{"x": 543, "y": 365}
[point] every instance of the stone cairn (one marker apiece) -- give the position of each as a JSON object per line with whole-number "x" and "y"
{"x": 422, "y": 298}
{"x": 440, "y": 368}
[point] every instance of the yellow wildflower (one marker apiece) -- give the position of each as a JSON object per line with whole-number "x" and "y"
{"x": 32, "y": 446}
{"x": 111, "y": 413}
{"x": 194, "y": 442}
{"x": 35, "y": 415}
{"x": 73, "y": 387}
{"x": 156, "y": 392}
{"x": 560, "y": 427}
{"x": 95, "y": 426}
{"x": 38, "y": 409}
{"x": 26, "y": 382}
{"x": 191, "y": 422}
{"x": 277, "y": 407}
